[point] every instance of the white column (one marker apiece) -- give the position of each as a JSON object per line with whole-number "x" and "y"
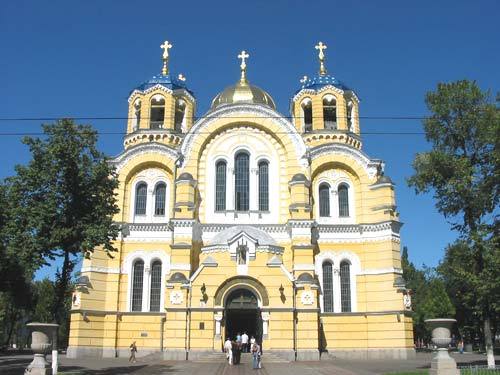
{"x": 218, "y": 319}
{"x": 145, "y": 287}
{"x": 265, "y": 323}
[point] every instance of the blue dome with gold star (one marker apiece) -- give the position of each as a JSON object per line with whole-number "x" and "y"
{"x": 319, "y": 81}
{"x": 166, "y": 81}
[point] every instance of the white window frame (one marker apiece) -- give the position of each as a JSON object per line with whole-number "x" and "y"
{"x": 152, "y": 178}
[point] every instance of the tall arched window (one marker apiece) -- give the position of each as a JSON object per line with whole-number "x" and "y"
{"x": 180, "y": 111}
{"x": 327, "y": 287}
{"x": 345, "y": 286}
{"x": 241, "y": 185}
{"x": 263, "y": 186}
{"x": 157, "y": 115}
{"x": 343, "y": 200}
{"x": 137, "y": 283}
{"x": 160, "y": 199}
{"x": 350, "y": 107}
{"x": 155, "y": 290}
{"x": 330, "y": 112}
{"x": 141, "y": 196}
{"x": 220, "y": 186}
{"x": 137, "y": 114}
{"x": 324, "y": 200}
{"x": 307, "y": 113}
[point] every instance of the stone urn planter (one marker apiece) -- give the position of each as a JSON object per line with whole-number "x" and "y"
{"x": 42, "y": 336}
{"x": 442, "y": 363}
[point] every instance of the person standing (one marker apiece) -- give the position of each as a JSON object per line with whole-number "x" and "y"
{"x": 244, "y": 342}
{"x": 228, "y": 348}
{"x": 255, "y": 355}
{"x": 133, "y": 350}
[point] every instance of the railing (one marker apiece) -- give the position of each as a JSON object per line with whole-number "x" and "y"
{"x": 478, "y": 370}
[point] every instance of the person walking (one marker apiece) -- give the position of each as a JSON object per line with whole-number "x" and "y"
{"x": 256, "y": 356}
{"x": 133, "y": 350}
{"x": 244, "y": 342}
{"x": 228, "y": 346}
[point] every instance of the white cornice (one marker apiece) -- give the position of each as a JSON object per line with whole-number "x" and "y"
{"x": 141, "y": 149}
{"x": 100, "y": 269}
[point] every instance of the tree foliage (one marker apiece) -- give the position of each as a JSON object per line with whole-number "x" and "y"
{"x": 64, "y": 201}
{"x": 462, "y": 170}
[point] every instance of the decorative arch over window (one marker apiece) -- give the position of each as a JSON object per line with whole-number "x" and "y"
{"x": 324, "y": 200}
{"x": 343, "y": 193}
{"x": 241, "y": 181}
{"x": 306, "y": 106}
{"x": 345, "y": 286}
{"x": 157, "y": 113}
{"x": 263, "y": 185}
{"x": 327, "y": 286}
{"x": 155, "y": 288}
{"x": 180, "y": 113}
{"x": 141, "y": 196}
{"x": 137, "y": 285}
{"x": 330, "y": 112}
{"x": 137, "y": 114}
{"x": 220, "y": 185}
{"x": 160, "y": 198}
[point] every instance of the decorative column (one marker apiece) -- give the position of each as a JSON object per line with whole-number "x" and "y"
{"x": 265, "y": 324}
{"x": 218, "y": 319}
{"x": 42, "y": 339}
{"x": 442, "y": 363}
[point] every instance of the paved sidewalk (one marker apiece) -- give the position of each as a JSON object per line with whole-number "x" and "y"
{"x": 15, "y": 365}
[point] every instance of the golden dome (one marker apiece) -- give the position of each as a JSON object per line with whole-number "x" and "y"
{"x": 243, "y": 92}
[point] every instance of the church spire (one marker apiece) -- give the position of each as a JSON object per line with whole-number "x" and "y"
{"x": 165, "y": 46}
{"x": 321, "y": 55}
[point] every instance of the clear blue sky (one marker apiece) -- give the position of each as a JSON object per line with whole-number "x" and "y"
{"x": 82, "y": 58}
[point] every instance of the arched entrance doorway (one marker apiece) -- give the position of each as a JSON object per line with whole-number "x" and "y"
{"x": 242, "y": 314}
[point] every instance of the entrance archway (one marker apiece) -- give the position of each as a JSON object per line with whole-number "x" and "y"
{"x": 242, "y": 314}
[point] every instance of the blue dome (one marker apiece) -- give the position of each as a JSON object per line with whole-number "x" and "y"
{"x": 164, "y": 80}
{"x": 319, "y": 81}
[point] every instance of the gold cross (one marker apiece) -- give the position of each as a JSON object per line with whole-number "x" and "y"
{"x": 320, "y": 47}
{"x": 165, "y": 46}
{"x": 243, "y": 55}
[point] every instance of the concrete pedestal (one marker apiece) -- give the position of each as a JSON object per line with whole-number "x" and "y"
{"x": 443, "y": 364}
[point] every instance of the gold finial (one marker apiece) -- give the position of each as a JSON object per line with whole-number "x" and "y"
{"x": 320, "y": 46}
{"x": 165, "y": 46}
{"x": 303, "y": 80}
{"x": 243, "y": 55}
{"x": 181, "y": 77}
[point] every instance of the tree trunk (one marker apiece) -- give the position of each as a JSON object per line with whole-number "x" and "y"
{"x": 61, "y": 288}
{"x": 12, "y": 321}
{"x": 488, "y": 342}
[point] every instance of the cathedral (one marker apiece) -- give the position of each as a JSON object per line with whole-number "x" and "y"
{"x": 247, "y": 220}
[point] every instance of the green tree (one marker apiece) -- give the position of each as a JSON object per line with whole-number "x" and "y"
{"x": 463, "y": 172}
{"x": 429, "y": 295}
{"x": 64, "y": 201}
{"x": 463, "y": 283}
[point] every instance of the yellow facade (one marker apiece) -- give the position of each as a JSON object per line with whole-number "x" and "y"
{"x": 244, "y": 220}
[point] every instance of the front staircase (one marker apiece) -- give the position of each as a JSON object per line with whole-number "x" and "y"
{"x": 267, "y": 357}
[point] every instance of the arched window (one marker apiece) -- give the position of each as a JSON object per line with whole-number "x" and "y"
{"x": 343, "y": 200}
{"x": 324, "y": 200}
{"x": 141, "y": 196}
{"x": 137, "y": 114}
{"x": 157, "y": 115}
{"x": 307, "y": 113}
{"x": 137, "y": 282}
{"x": 220, "y": 186}
{"x": 160, "y": 198}
{"x": 263, "y": 186}
{"x": 241, "y": 181}
{"x": 350, "y": 107}
{"x": 345, "y": 286}
{"x": 155, "y": 290}
{"x": 327, "y": 287}
{"x": 180, "y": 111}
{"x": 330, "y": 112}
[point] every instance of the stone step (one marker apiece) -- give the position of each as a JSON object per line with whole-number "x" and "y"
{"x": 267, "y": 357}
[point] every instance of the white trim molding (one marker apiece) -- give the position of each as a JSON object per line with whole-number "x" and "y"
{"x": 141, "y": 149}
